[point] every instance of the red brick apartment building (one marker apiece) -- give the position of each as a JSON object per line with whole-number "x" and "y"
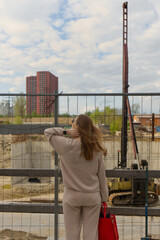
{"x": 44, "y": 82}
{"x": 31, "y": 87}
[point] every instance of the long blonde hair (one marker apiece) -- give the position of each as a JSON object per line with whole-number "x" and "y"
{"x": 91, "y": 137}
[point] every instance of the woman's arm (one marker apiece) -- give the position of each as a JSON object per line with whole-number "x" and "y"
{"x": 49, "y": 132}
{"x": 102, "y": 181}
{"x": 58, "y": 140}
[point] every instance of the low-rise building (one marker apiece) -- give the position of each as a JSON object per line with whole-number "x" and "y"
{"x": 146, "y": 120}
{"x": 5, "y": 108}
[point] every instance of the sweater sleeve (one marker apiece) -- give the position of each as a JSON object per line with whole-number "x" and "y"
{"x": 102, "y": 181}
{"x": 56, "y": 139}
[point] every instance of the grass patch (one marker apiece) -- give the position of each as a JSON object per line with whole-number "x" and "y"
{"x": 7, "y": 186}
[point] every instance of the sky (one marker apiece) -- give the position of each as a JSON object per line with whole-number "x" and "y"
{"x": 80, "y": 41}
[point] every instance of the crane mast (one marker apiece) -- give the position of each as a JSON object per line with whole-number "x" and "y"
{"x": 125, "y": 87}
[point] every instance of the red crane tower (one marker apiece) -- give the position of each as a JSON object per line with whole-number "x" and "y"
{"x": 125, "y": 87}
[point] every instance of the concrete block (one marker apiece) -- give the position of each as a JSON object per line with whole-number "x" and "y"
{"x": 31, "y": 155}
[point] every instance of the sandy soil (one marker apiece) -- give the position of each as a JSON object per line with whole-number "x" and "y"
{"x": 8, "y": 234}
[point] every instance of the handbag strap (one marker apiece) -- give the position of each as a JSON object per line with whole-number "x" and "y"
{"x": 104, "y": 209}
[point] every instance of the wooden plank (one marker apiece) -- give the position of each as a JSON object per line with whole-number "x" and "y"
{"x": 50, "y": 209}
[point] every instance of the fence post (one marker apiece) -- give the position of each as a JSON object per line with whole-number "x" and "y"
{"x": 153, "y": 126}
{"x": 146, "y": 207}
{"x": 56, "y": 174}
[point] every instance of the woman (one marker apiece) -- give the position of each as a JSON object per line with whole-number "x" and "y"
{"x": 83, "y": 172}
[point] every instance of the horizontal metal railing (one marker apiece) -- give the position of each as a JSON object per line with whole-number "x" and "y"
{"x": 49, "y": 208}
{"x": 81, "y": 94}
{"x": 24, "y": 129}
{"x": 51, "y": 173}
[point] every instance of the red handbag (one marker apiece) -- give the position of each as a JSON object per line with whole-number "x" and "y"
{"x": 107, "y": 227}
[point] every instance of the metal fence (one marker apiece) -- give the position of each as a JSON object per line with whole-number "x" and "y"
{"x": 104, "y": 109}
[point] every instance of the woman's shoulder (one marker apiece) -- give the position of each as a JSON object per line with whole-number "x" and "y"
{"x": 73, "y": 142}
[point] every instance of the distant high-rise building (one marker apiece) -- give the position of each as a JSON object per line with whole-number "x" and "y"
{"x": 44, "y": 82}
{"x": 31, "y": 87}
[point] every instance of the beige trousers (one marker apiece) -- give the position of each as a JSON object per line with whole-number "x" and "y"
{"x": 81, "y": 209}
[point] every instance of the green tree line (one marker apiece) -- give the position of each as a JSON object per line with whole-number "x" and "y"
{"x": 109, "y": 116}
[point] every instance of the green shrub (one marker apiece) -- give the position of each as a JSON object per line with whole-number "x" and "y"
{"x": 18, "y": 120}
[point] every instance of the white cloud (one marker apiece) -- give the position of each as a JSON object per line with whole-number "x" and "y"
{"x": 27, "y": 10}
{"x": 110, "y": 46}
{"x": 80, "y": 42}
{"x": 6, "y": 72}
{"x": 57, "y": 23}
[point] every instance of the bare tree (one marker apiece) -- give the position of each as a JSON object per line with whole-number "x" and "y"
{"x": 135, "y": 108}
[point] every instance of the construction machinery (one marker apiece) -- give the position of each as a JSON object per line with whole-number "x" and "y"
{"x": 131, "y": 191}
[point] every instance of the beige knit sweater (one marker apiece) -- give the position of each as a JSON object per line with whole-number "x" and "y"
{"x": 78, "y": 174}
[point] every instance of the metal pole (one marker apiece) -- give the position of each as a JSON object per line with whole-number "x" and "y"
{"x": 95, "y": 108}
{"x": 146, "y": 202}
{"x": 119, "y": 164}
{"x": 56, "y": 176}
{"x": 146, "y": 207}
{"x": 105, "y": 110}
{"x": 77, "y": 105}
{"x": 152, "y": 126}
{"x": 86, "y": 104}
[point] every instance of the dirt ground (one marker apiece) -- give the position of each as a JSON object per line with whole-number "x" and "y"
{"x": 8, "y": 234}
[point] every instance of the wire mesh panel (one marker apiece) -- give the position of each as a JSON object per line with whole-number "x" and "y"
{"x": 31, "y": 202}
{"x": 26, "y": 226}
